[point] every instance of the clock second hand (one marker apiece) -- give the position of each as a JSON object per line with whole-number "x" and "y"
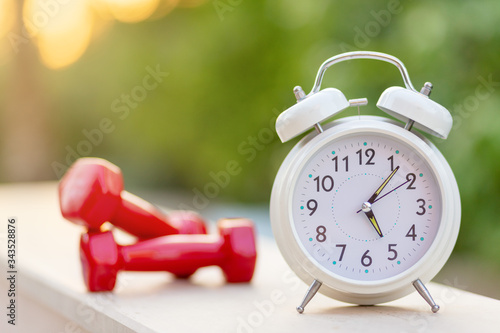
{"x": 406, "y": 182}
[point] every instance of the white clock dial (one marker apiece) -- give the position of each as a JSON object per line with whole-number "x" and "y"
{"x": 397, "y": 226}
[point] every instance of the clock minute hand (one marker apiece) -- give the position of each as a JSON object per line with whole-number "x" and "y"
{"x": 383, "y": 196}
{"x": 406, "y": 182}
{"x": 381, "y": 187}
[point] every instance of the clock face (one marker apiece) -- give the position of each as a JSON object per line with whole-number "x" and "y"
{"x": 366, "y": 207}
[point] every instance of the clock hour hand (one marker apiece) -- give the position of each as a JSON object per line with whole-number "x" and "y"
{"x": 367, "y": 209}
{"x": 381, "y": 187}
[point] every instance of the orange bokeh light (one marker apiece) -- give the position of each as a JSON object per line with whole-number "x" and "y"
{"x": 63, "y": 29}
{"x": 7, "y": 21}
{"x": 131, "y": 10}
{"x": 7, "y": 8}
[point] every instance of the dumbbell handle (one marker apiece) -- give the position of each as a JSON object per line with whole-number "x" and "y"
{"x": 138, "y": 217}
{"x": 233, "y": 250}
{"x": 177, "y": 254}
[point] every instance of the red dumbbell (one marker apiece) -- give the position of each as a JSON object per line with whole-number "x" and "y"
{"x": 233, "y": 250}
{"x": 91, "y": 193}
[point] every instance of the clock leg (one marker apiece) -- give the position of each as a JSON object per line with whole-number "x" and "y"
{"x": 422, "y": 290}
{"x": 313, "y": 289}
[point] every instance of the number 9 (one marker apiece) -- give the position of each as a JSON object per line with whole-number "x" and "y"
{"x": 312, "y": 205}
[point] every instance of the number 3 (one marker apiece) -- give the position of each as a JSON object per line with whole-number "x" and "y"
{"x": 422, "y": 206}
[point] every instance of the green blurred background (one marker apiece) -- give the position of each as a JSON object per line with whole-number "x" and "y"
{"x": 231, "y": 68}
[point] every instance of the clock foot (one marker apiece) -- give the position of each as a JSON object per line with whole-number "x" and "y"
{"x": 422, "y": 290}
{"x": 313, "y": 289}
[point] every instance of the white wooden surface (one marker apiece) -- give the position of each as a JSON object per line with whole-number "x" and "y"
{"x": 53, "y": 298}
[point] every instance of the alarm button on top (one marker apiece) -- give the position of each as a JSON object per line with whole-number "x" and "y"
{"x": 405, "y": 105}
{"x": 310, "y": 111}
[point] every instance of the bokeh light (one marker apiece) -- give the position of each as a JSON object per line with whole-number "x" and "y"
{"x": 62, "y": 31}
{"x": 164, "y": 8}
{"x": 131, "y": 10}
{"x": 7, "y": 10}
{"x": 7, "y": 21}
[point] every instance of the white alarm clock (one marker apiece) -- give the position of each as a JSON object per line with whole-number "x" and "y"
{"x": 365, "y": 209}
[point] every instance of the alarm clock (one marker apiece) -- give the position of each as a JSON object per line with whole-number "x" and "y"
{"x": 365, "y": 209}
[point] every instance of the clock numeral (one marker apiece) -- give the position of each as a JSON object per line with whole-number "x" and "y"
{"x": 326, "y": 183}
{"x": 366, "y": 260}
{"x": 391, "y": 159}
{"x": 370, "y": 153}
{"x": 321, "y": 230}
{"x": 345, "y": 159}
{"x": 312, "y": 205}
{"x": 411, "y": 178}
{"x": 422, "y": 207}
{"x": 411, "y": 233}
{"x": 343, "y": 246}
{"x": 393, "y": 251}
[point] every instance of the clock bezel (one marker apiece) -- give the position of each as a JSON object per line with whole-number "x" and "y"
{"x": 336, "y": 286}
